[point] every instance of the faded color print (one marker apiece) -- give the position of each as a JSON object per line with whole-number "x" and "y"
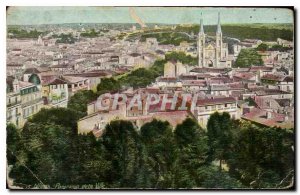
{"x": 150, "y": 98}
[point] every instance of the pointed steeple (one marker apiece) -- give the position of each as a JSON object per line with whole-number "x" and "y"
{"x": 201, "y": 31}
{"x": 219, "y": 30}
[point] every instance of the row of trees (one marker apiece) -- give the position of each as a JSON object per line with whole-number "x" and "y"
{"x": 90, "y": 34}
{"x": 65, "y": 38}
{"x": 165, "y": 38}
{"x": 264, "y": 32}
{"x": 264, "y": 47}
{"x": 182, "y": 57}
{"x": 49, "y": 151}
{"x": 20, "y": 33}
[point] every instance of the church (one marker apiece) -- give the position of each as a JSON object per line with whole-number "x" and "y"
{"x": 213, "y": 54}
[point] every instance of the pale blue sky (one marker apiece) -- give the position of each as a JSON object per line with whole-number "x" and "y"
{"x": 171, "y": 15}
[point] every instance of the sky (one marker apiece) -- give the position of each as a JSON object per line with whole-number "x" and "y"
{"x": 167, "y": 15}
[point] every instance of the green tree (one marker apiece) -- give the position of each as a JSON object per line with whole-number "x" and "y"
{"x": 182, "y": 57}
{"x": 80, "y": 100}
{"x": 247, "y": 58}
{"x": 139, "y": 78}
{"x": 12, "y": 143}
{"x": 44, "y": 155}
{"x": 216, "y": 179}
{"x": 158, "y": 66}
{"x": 219, "y": 132}
{"x": 263, "y": 157}
{"x": 91, "y": 165}
{"x": 108, "y": 84}
{"x": 192, "y": 153}
{"x": 262, "y": 47}
{"x": 64, "y": 117}
{"x": 160, "y": 147}
{"x": 123, "y": 144}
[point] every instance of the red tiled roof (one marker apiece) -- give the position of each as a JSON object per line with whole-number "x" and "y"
{"x": 57, "y": 81}
{"x": 167, "y": 79}
{"x": 260, "y": 116}
{"x": 214, "y": 101}
{"x": 263, "y": 68}
{"x": 273, "y": 77}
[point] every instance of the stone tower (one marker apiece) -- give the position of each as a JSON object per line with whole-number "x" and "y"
{"x": 219, "y": 44}
{"x": 201, "y": 45}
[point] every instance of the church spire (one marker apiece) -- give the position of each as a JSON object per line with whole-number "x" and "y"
{"x": 219, "y": 30}
{"x": 201, "y": 25}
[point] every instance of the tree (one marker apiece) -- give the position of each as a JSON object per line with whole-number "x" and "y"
{"x": 279, "y": 48}
{"x": 108, "y": 84}
{"x": 263, "y": 157}
{"x": 12, "y": 143}
{"x": 192, "y": 149}
{"x": 64, "y": 117}
{"x": 91, "y": 165}
{"x": 262, "y": 47}
{"x": 43, "y": 159}
{"x": 159, "y": 143}
{"x": 52, "y": 152}
{"x": 247, "y": 58}
{"x": 212, "y": 178}
{"x": 124, "y": 151}
{"x": 182, "y": 57}
{"x": 79, "y": 101}
{"x": 219, "y": 132}
{"x": 139, "y": 78}
{"x": 158, "y": 66}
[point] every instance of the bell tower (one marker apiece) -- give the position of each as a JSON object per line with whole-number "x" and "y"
{"x": 219, "y": 44}
{"x": 201, "y": 45}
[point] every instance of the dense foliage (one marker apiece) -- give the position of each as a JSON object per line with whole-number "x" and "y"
{"x": 182, "y": 57}
{"x": 165, "y": 38}
{"x": 80, "y": 100}
{"x": 264, "y": 32}
{"x": 48, "y": 153}
{"x": 21, "y": 34}
{"x": 276, "y": 47}
{"x": 65, "y": 38}
{"x": 247, "y": 58}
{"x": 91, "y": 34}
{"x": 262, "y": 47}
{"x": 139, "y": 78}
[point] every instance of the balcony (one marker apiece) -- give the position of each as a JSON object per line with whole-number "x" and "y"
{"x": 13, "y": 104}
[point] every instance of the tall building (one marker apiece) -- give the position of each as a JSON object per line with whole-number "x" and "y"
{"x": 212, "y": 54}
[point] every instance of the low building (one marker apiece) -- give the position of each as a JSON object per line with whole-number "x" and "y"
{"x": 13, "y": 102}
{"x": 206, "y": 107}
{"x": 55, "y": 93}
{"x": 76, "y": 84}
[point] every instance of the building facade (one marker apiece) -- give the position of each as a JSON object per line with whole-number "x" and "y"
{"x": 212, "y": 54}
